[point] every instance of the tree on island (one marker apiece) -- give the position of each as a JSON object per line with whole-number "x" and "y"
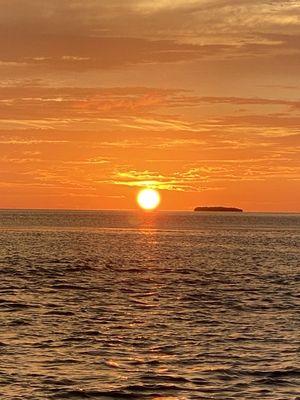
{"x": 222, "y": 209}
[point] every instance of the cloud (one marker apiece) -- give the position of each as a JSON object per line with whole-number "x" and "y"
{"x": 12, "y": 141}
{"x": 207, "y": 176}
{"x": 283, "y": 125}
{"x": 44, "y": 53}
{"x": 68, "y": 36}
{"x": 28, "y": 103}
{"x": 156, "y": 180}
{"x": 135, "y": 108}
{"x": 81, "y": 53}
{"x": 250, "y": 101}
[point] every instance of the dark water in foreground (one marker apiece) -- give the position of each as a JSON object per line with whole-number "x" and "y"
{"x": 111, "y": 305}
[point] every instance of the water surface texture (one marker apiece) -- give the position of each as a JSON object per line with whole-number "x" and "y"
{"x": 127, "y": 305}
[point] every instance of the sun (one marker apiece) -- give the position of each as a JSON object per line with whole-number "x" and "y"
{"x": 148, "y": 199}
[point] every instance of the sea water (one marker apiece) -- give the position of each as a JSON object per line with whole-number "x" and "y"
{"x": 159, "y": 305}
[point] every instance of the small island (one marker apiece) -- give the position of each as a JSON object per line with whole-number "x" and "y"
{"x": 220, "y": 209}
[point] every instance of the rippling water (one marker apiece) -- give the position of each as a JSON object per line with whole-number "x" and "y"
{"x": 122, "y": 305}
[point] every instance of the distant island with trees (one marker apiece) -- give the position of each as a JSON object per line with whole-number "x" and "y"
{"x": 221, "y": 209}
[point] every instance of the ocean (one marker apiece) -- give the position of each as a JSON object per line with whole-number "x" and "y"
{"x": 149, "y": 305}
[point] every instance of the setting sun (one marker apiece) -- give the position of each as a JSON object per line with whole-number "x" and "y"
{"x": 148, "y": 199}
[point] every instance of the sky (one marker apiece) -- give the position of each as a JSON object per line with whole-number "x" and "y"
{"x": 196, "y": 98}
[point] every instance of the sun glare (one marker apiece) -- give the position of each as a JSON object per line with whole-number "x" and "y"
{"x": 148, "y": 199}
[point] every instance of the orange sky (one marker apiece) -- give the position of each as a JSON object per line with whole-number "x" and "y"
{"x": 198, "y": 98}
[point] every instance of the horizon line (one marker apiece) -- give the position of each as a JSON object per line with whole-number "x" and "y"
{"x": 140, "y": 210}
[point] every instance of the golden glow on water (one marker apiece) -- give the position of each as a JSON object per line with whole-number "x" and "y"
{"x": 148, "y": 199}
{"x": 159, "y": 306}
